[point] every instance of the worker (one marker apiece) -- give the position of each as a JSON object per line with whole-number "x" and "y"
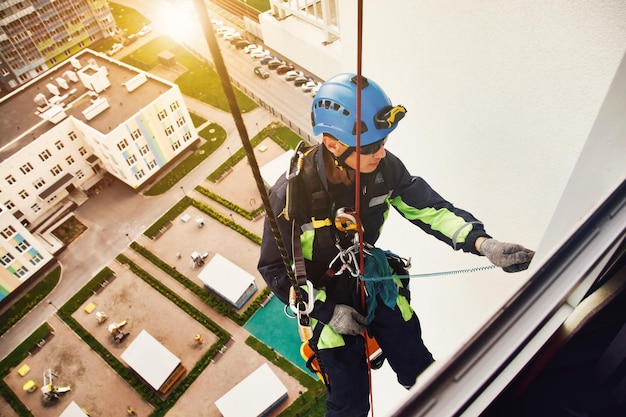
{"x": 322, "y": 205}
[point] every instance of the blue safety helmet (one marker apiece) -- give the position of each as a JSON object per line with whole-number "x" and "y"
{"x": 334, "y": 110}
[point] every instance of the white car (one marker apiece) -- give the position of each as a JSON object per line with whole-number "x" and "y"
{"x": 250, "y": 48}
{"x": 309, "y": 86}
{"x": 293, "y": 74}
{"x": 144, "y": 31}
{"x": 230, "y": 35}
{"x": 220, "y": 30}
{"x": 116, "y": 47}
{"x": 259, "y": 53}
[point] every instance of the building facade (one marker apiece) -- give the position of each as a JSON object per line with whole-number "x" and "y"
{"x": 90, "y": 116}
{"x": 36, "y": 35}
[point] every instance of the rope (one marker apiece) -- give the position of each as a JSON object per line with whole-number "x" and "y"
{"x": 220, "y": 68}
{"x": 431, "y": 274}
{"x": 357, "y": 185}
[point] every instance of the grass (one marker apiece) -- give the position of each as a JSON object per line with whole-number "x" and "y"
{"x": 69, "y": 230}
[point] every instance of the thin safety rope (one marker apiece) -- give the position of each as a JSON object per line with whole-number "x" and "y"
{"x": 357, "y": 184}
{"x": 220, "y": 68}
{"x": 430, "y": 274}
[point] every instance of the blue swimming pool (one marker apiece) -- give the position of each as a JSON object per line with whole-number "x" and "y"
{"x": 271, "y": 326}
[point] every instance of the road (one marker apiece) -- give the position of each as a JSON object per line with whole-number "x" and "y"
{"x": 119, "y": 215}
{"x": 288, "y": 103}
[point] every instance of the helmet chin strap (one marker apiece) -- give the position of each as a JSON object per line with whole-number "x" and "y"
{"x": 341, "y": 159}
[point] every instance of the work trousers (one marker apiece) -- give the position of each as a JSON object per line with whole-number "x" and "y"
{"x": 346, "y": 366}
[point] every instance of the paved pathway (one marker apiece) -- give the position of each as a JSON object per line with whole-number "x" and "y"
{"x": 119, "y": 215}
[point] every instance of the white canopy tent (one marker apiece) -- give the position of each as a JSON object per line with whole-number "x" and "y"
{"x": 228, "y": 280}
{"x": 150, "y": 359}
{"x": 255, "y": 396}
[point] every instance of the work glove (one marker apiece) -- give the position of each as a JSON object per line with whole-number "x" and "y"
{"x": 346, "y": 320}
{"x": 511, "y": 257}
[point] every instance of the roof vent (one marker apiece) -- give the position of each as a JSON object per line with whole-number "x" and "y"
{"x": 71, "y": 76}
{"x": 75, "y": 63}
{"x": 53, "y": 89}
{"x": 62, "y": 83}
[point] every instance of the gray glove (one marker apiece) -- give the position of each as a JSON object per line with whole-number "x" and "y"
{"x": 511, "y": 257}
{"x": 346, "y": 320}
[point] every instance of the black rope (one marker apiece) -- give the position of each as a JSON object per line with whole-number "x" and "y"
{"x": 220, "y": 68}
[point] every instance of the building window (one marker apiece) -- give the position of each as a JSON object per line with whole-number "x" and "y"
{"x": 186, "y": 136}
{"x": 131, "y": 160}
{"x": 144, "y": 149}
{"x": 35, "y": 207}
{"x": 56, "y": 170}
{"x": 10, "y": 179}
{"x": 23, "y": 194}
{"x": 20, "y": 272}
{"x": 169, "y": 130}
{"x": 121, "y": 145}
{"x": 6, "y": 259}
{"x": 174, "y": 106}
{"x": 79, "y": 174}
{"x": 152, "y": 164}
{"x": 176, "y": 145}
{"x": 59, "y": 145}
{"x": 139, "y": 174}
{"x": 136, "y": 134}
{"x": 162, "y": 114}
{"x": 26, "y": 168}
{"x": 73, "y": 136}
{"x": 7, "y": 232}
{"x": 45, "y": 155}
{"x": 69, "y": 160}
{"x": 38, "y": 183}
{"x": 9, "y": 204}
{"x": 82, "y": 151}
{"x": 180, "y": 122}
{"x": 22, "y": 246}
{"x": 36, "y": 258}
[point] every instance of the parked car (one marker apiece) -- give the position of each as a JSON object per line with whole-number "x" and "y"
{"x": 314, "y": 89}
{"x": 266, "y": 59}
{"x": 251, "y": 47}
{"x": 116, "y": 47}
{"x": 231, "y": 35}
{"x": 220, "y": 30}
{"x": 234, "y": 40}
{"x": 274, "y": 63}
{"x": 132, "y": 38}
{"x": 298, "y": 81}
{"x": 309, "y": 86}
{"x": 241, "y": 44}
{"x": 262, "y": 72}
{"x": 144, "y": 30}
{"x": 259, "y": 53}
{"x": 293, "y": 74}
{"x": 284, "y": 68}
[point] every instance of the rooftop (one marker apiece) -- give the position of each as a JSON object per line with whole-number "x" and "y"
{"x": 20, "y": 123}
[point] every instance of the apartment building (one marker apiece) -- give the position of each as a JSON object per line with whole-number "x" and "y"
{"x": 36, "y": 35}
{"x": 60, "y": 133}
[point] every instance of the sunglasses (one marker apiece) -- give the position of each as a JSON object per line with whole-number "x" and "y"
{"x": 370, "y": 149}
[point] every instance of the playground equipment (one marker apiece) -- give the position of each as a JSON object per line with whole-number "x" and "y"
{"x": 50, "y": 391}
{"x": 198, "y": 259}
{"x": 198, "y": 338}
{"x": 101, "y": 317}
{"x": 116, "y": 330}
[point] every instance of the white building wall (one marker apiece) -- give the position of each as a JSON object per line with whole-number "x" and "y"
{"x": 39, "y": 164}
{"x": 135, "y": 150}
{"x": 501, "y": 97}
{"x": 21, "y": 254}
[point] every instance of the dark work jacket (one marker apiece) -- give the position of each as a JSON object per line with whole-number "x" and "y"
{"x": 390, "y": 185}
